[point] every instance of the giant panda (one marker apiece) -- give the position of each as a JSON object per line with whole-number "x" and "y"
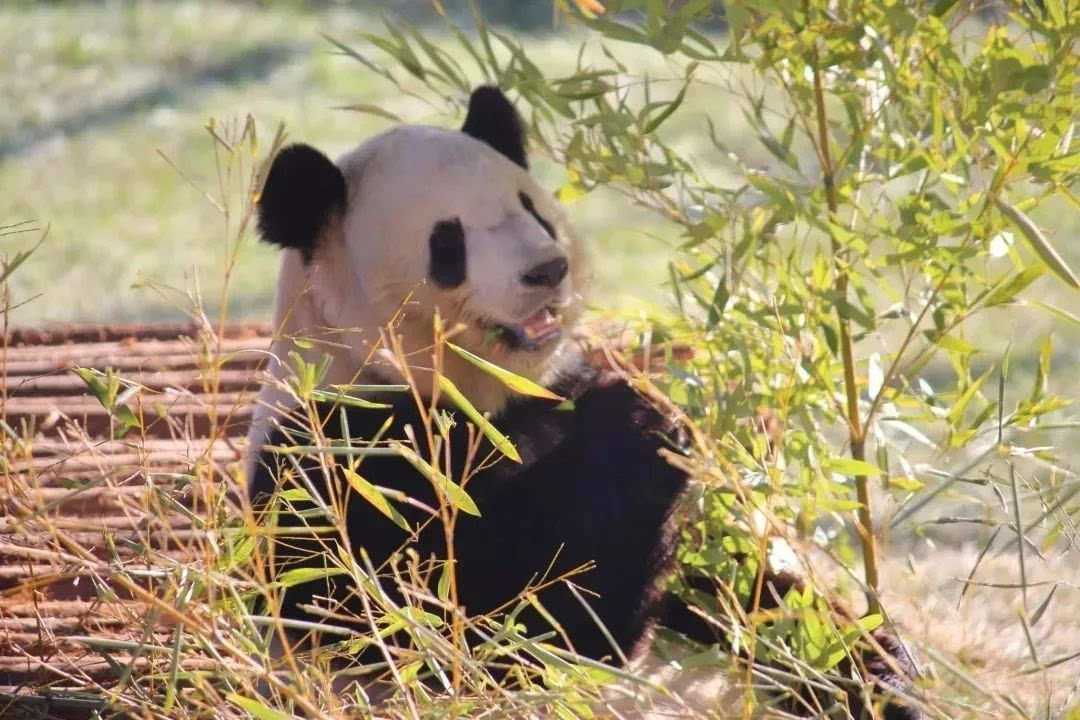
{"x": 424, "y": 220}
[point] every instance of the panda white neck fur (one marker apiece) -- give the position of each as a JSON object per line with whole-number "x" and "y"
{"x": 309, "y": 306}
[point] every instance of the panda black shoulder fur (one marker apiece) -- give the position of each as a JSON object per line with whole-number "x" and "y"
{"x": 453, "y": 221}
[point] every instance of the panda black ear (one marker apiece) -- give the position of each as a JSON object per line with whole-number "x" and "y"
{"x": 492, "y": 119}
{"x": 303, "y": 191}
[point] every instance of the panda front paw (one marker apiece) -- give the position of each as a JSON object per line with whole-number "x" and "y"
{"x": 888, "y": 664}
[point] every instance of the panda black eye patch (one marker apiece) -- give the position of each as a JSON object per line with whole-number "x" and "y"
{"x": 527, "y": 203}
{"x": 446, "y": 264}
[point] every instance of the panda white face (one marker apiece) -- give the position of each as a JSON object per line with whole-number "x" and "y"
{"x": 442, "y": 216}
{"x": 423, "y": 220}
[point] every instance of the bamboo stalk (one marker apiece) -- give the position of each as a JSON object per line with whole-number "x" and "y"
{"x": 856, "y": 432}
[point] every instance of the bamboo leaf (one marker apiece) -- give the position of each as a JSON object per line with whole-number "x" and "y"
{"x": 667, "y": 112}
{"x": 869, "y": 623}
{"x": 1049, "y": 664}
{"x": 377, "y": 500}
{"x": 850, "y": 466}
{"x": 455, "y": 495}
{"x": 1020, "y": 550}
{"x": 1059, "y": 312}
{"x": 105, "y": 386}
{"x": 956, "y": 414}
{"x": 340, "y": 398}
{"x": 971, "y": 575}
{"x": 1006, "y": 290}
{"x": 1037, "y": 615}
{"x": 257, "y": 709}
{"x": 516, "y": 383}
{"x": 97, "y": 387}
{"x": 300, "y": 575}
{"x": 370, "y": 110}
{"x": 1038, "y": 242}
{"x": 490, "y": 432}
{"x": 443, "y": 587}
{"x": 20, "y": 257}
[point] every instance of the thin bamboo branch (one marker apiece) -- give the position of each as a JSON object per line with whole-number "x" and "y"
{"x": 856, "y": 433}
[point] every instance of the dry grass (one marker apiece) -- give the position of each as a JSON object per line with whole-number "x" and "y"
{"x": 983, "y": 635}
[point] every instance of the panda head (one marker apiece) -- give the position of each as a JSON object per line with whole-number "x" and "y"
{"x": 423, "y": 220}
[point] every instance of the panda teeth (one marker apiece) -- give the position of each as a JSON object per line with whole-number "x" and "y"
{"x": 540, "y": 324}
{"x": 532, "y": 333}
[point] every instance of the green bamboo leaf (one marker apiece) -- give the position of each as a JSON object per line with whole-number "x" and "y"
{"x": 20, "y": 257}
{"x": 1037, "y": 615}
{"x": 512, "y": 381}
{"x": 971, "y": 575}
{"x": 370, "y": 493}
{"x": 1008, "y": 289}
{"x": 667, "y": 112}
{"x": 104, "y": 386}
{"x": 126, "y": 416}
{"x": 371, "y": 387}
{"x": 719, "y": 302}
{"x": 1042, "y": 370}
{"x": 103, "y": 643}
{"x": 490, "y": 432}
{"x": 398, "y": 48}
{"x": 1056, "y": 12}
{"x": 618, "y": 31}
{"x": 297, "y": 576}
{"x": 869, "y": 623}
{"x": 443, "y": 587}
{"x": 369, "y": 110}
{"x": 484, "y": 33}
{"x": 454, "y": 493}
{"x": 950, "y": 343}
{"x": 1060, "y": 312}
{"x": 850, "y": 466}
{"x": 1038, "y": 242}
{"x": 1042, "y": 667}
{"x": 257, "y": 709}
{"x": 443, "y": 60}
{"x": 97, "y": 387}
{"x": 849, "y": 311}
{"x": 956, "y": 414}
{"x": 340, "y": 398}
{"x": 831, "y": 656}
{"x": 348, "y": 51}
{"x": 943, "y": 7}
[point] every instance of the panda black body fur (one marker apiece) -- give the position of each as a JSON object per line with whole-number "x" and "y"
{"x": 592, "y": 490}
{"x": 491, "y": 252}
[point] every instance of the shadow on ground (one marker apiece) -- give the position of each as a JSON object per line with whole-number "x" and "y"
{"x": 254, "y": 63}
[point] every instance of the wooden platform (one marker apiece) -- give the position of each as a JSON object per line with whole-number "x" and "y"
{"x": 88, "y": 516}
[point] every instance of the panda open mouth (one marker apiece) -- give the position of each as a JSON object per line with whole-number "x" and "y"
{"x": 534, "y": 332}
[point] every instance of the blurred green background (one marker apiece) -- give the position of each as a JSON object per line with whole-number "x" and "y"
{"x": 96, "y": 93}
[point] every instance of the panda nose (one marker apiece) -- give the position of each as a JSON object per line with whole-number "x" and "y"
{"x": 547, "y": 274}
